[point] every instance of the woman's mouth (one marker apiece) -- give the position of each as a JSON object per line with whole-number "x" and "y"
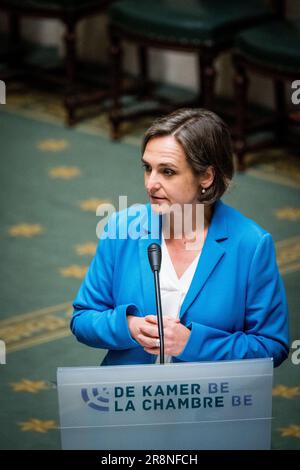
{"x": 157, "y": 199}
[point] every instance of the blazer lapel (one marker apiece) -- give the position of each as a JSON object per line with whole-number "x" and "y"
{"x": 211, "y": 255}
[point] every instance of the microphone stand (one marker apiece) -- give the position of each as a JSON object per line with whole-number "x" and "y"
{"x": 159, "y": 318}
{"x": 154, "y": 255}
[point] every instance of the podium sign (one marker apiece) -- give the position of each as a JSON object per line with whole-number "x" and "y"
{"x": 213, "y": 405}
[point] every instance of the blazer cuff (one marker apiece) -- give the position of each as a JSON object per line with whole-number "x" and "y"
{"x": 130, "y": 309}
{"x": 188, "y": 353}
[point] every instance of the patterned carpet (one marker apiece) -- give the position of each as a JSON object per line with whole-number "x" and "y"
{"x": 52, "y": 180}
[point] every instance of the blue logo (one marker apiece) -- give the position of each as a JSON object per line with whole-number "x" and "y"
{"x": 95, "y": 399}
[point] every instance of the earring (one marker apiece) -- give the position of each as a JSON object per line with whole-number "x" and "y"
{"x": 203, "y": 190}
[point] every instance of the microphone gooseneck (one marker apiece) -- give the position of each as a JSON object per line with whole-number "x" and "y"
{"x": 154, "y": 255}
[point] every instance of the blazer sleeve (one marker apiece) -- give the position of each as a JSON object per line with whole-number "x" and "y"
{"x": 96, "y": 321}
{"x": 265, "y": 332}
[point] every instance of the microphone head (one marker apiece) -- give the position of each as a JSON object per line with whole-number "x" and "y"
{"x": 154, "y": 255}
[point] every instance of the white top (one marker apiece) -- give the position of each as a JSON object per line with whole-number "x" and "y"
{"x": 173, "y": 290}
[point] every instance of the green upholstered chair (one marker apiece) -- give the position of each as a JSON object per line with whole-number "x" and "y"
{"x": 271, "y": 50}
{"x": 70, "y": 12}
{"x": 205, "y": 27}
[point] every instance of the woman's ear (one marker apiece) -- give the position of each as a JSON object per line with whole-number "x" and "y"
{"x": 207, "y": 179}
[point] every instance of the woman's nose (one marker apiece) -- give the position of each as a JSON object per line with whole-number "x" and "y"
{"x": 152, "y": 182}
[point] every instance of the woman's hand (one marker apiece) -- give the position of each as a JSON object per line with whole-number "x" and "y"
{"x": 135, "y": 324}
{"x": 145, "y": 332}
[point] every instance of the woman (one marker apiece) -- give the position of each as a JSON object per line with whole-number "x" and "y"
{"x": 222, "y": 299}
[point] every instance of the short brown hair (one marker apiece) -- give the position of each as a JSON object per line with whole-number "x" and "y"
{"x": 206, "y": 141}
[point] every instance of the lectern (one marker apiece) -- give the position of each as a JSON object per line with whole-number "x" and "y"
{"x": 212, "y": 405}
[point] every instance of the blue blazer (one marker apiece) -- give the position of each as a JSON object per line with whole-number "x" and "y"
{"x": 236, "y": 306}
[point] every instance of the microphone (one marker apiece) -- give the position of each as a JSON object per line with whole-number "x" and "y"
{"x": 154, "y": 255}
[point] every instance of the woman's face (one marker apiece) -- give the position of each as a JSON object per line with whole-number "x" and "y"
{"x": 168, "y": 177}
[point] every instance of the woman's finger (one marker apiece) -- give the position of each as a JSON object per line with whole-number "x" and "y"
{"x": 151, "y": 319}
{"x": 147, "y": 341}
{"x": 149, "y": 330}
{"x": 154, "y": 351}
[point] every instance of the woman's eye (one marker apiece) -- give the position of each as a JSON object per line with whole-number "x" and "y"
{"x": 169, "y": 172}
{"x": 146, "y": 167}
